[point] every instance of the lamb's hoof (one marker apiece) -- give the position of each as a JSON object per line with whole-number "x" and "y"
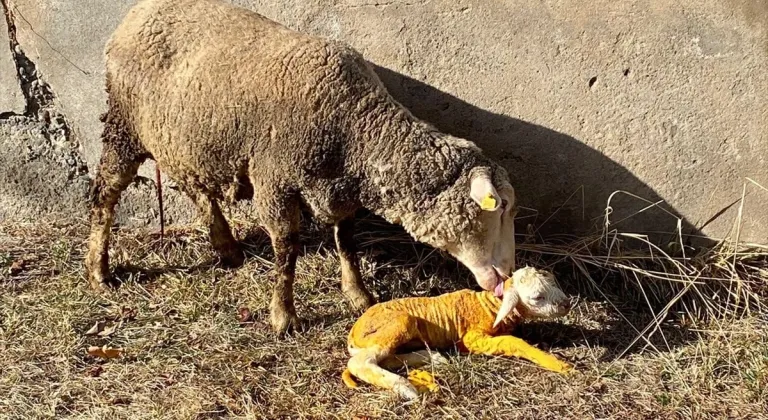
{"x": 284, "y": 321}
{"x": 566, "y": 368}
{"x": 438, "y": 359}
{"x": 406, "y": 391}
{"x": 360, "y": 299}
{"x": 423, "y": 381}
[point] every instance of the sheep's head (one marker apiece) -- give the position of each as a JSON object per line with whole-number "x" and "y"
{"x": 490, "y": 239}
{"x": 534, "y": 294}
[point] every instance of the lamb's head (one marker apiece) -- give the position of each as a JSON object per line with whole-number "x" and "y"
{"x": 489, "y": 239}
{"x": 533, "y": 294}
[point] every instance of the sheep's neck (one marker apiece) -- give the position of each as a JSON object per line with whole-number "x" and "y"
{"x": 409, "y": 166}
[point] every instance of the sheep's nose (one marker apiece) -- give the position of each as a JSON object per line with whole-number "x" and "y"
{"x": 567, "y": 304}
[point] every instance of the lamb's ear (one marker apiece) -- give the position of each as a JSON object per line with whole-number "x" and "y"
{"x": 508, "y": 303}
{"x": 483, "y": 192}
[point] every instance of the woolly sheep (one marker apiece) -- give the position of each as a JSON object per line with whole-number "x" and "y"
{"x": 234, "y": 106}
{"x": 477, "y": 321}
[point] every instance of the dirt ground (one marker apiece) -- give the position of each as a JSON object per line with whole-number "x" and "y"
{"x": 186, "y": 355}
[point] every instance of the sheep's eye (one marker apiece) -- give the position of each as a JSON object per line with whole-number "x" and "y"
{"x": 538, "y": 298}
{"x": 504, "y": 203}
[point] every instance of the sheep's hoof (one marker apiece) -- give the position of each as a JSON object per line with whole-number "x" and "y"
{"x": 284, "y": 321}
{"x": 103, "y": 285}
{"x": 406, "y": 391}
{"x": 232, "y": 259}
{"x": 99, "y": 279}
{"x": 360, "y": 299}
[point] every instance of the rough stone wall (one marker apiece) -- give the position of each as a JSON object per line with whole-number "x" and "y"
{"x": 663, "y": 99}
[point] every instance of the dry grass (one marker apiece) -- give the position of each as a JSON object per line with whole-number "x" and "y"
{"x": 657, "y": 333}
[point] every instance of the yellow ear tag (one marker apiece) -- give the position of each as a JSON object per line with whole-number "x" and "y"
{"x": 488, "y": 203}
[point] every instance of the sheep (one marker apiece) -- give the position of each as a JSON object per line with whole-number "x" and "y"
{"x": 233, "y": 106}
{"x": 477, "y": 322}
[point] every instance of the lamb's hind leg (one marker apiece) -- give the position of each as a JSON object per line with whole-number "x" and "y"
{"x": 413, "y": 360}
{"x": 364, "y": 365}
{"x": 121, "y": 157}
{"x": 351, "y": 279}
{"x": 219, "y": 232}
{"x": 378, "y": 340}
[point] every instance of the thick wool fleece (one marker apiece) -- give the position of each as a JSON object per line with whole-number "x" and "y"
{"x": 237, "y": 106}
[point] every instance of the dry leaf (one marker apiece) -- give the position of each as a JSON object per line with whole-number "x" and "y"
{"x": 127, "y": 313}
{"x": 244, "y": 316}
{"x": 96, "y": 328}
{"x": 95, "y": 371}
{"x": 105, "y": 352}
{"x": 109, "y": 330}
{"x": 16, "y": 267}
{"x": 121, "y": 401}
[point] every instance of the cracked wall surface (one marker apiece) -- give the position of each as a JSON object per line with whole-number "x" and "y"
{"x": 663, "y": 99}
{"x": 10, "y": 99}
{"x": 42, "y": 169}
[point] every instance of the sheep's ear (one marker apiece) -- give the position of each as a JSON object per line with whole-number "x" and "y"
{"x": 483, "y": 192}
{"x": 508, "y": 303}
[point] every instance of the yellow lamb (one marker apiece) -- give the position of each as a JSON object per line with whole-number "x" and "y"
{"x": 395, "y": 333}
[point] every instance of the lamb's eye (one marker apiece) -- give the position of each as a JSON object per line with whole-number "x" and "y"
{"x": 538, "y": 298}
{"x": 504, "y": 203}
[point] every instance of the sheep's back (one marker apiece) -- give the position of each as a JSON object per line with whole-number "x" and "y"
{"x": 202, "y": 78}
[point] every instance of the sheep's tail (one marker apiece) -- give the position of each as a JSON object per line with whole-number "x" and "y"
{"x": 347, "y": 378}
{"x": 160, "y": 201}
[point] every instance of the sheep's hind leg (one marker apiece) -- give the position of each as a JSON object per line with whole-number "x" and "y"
{"x": 120, "y": 161}
{"x": 219, "y": 231}
{"x": 351, "y": 280}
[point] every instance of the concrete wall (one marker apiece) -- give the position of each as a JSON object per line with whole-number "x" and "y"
{"x": 662, "y": 99}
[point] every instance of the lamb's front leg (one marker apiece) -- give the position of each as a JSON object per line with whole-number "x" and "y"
{"x": 351, "y": 280}
{"x": 507, "y": 345}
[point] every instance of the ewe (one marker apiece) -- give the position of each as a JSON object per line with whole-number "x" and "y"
{"x": 234, "y": 106}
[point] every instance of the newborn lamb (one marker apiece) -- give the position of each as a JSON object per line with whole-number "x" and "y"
{"x": 395, "y": 333}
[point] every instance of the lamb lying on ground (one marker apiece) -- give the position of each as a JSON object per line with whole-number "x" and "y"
{"x": 233, "y": 106}
{"x": 475, "y": 321}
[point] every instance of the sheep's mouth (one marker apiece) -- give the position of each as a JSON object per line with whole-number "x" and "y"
{"x": 498, "y": 290}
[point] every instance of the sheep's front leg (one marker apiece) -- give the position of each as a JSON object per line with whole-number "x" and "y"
{"x": 351, "y": 279}
{"x": 285, "y": 242}
{"x": 479, "y": 342}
